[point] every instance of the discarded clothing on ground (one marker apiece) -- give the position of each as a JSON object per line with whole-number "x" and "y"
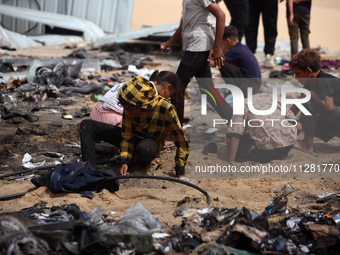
{"x": 86, "y": 232}
{"x": 15, "y": 238}
{"x": 16, "y": 114}
{"x": 136, "y": 220}
{"x": 5, "y": 67}
{"x": 61, "y": 73}
{"x": 329, "y": 64}
{"x": 86, "y": 238}
{"x": 77, "y": 177}
{"x": 79, "y": 53}
{"x": 86, "y": 89}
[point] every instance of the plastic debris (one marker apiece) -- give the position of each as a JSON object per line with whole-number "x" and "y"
{"x": 137, "y": 220}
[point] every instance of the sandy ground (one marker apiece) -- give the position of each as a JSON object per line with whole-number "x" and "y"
{"x": 324, "y": 17}
{"x": 161, "y": 198}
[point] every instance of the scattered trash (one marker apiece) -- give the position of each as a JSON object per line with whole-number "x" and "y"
{"x": 185, "y": 179}
{"x": 277, "y": 205}
{"x": 294, "y": 223}
{"x": 210, "y": 147}
{"x": 96, "y": 98}
{"x": 15, "y": 113}
{"x": 27, "y": 157}
{"x": 186, "y": 126}
{"x": 211, "y": 130}
{"x": 67, "y": 116}
{"x": 72, "y": 145}
{"x": 325, "y": 197}
{"x": 187, "y": 200}
{"x": 27, "y": 164}
{"x": 285, "y": 190}
{"x": 277, "y": 74}
{"x": 136, "y": 220}
{"x": 17, "y": 239}
{"x": 55, "y": 155}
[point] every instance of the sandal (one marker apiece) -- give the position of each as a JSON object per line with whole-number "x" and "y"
{"x": 277, "y": 74}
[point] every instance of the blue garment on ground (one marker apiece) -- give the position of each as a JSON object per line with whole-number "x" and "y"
{"x": 78, "y": 178}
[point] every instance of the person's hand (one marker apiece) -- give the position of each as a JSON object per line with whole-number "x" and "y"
{"x": 217, "y": 56}
{"x": 291, "y": 21}
{"x": 166, "y": 46}
{"x": 123, "y": 169}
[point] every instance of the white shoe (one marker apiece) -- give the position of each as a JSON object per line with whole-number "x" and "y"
{"x": 269, "y": 61}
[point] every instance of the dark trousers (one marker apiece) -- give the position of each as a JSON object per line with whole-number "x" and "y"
{"x": 233, "y": 75}
{"x": 239, "y": 12}
{"x": 247, "y": 147}
{"x": 321, "y": 123}
{"x": 91, "y": 132}
{"x": 230, "y": 71}
{"x": 196, "y": 64}
{"x": 301, "y": 24}
{"x": 269, "y": 11}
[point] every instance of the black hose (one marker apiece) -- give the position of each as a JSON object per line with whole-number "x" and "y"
{"x": 162, "y": 178}
{"x": 27, "y": 171}
{"x": 14, "y": 195}
{"x": 122, "y": 177}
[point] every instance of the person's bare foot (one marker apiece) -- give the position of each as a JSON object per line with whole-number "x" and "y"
{"x": 301, "y": 145}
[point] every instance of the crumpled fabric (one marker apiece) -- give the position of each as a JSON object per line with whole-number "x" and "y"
{"x": 85, "y": 89}
{"x": 16, "y": 239}
{"x": 61, "y": 73}
{"x": 13, "y": 112}
{"x": 137, "y": 220}
{"x": 86, "y": 238}
{"x": 77, "y": 178}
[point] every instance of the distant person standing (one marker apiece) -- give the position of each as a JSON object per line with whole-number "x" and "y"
{"x": 201, "y": 29}
{"x": 239, "y": 12}
{"x": 298, "y": 18}
{"x": 269, "y": 11}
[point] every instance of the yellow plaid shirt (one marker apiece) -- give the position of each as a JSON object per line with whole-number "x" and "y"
{"x": 156, "y": 124}
{"x": 157, "y": 120}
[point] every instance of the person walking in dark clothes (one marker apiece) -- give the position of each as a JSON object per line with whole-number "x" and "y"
{"x": 269, "y": 11}
{"x": 239, "y": 13}
{"x": 201, "y": 30}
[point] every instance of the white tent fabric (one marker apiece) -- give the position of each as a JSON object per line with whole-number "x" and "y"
{"x": 13, "y": 40}
{"x": 90, "y": 30}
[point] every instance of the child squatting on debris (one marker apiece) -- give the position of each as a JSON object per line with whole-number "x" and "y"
{"x": 148, "y": 118}
{"x": 324, "y": 105}
{"x": 110, "y": 111}
{"x": 252, "y": 135}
